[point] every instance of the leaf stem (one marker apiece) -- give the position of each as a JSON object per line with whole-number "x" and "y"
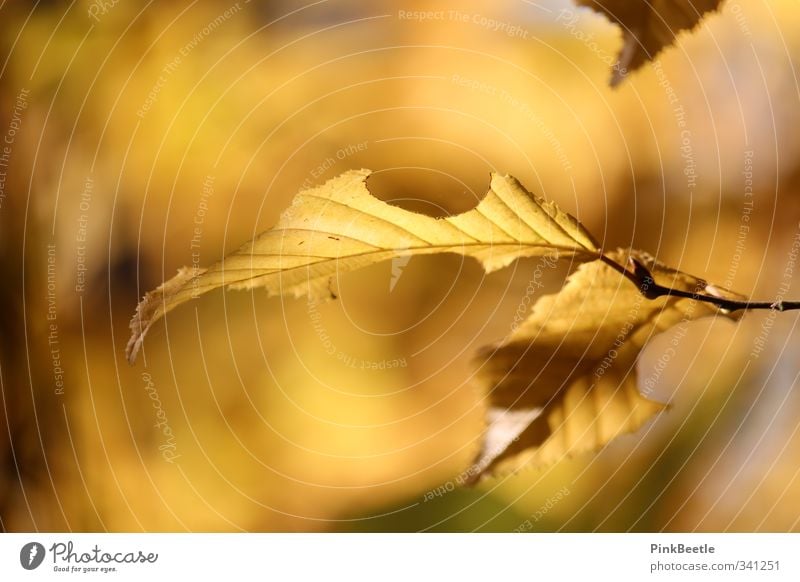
{"x": 645, "y": 282}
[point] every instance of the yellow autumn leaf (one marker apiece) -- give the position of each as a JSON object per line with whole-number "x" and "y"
{"x": 648, "y": 26}
{"x": 565, "y": 381}
{"x": 340, "y": 227}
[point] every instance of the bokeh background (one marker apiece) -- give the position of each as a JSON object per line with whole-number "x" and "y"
{"x": 129, "y": 125}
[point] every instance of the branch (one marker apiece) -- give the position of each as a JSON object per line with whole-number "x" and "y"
{"x": 644, "y": 281}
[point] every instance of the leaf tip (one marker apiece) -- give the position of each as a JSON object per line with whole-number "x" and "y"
{"x": 503, "y": 430}
{"x": 617, "y": 77}
{"x": 152, "y": 307}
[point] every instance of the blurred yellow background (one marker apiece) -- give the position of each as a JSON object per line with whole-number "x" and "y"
{"x": 147, "y": 137}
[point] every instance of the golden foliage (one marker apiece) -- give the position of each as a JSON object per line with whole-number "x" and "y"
{"x": 564, "y": 382}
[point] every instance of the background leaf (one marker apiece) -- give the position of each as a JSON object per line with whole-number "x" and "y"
{"x": 648, "y": 26}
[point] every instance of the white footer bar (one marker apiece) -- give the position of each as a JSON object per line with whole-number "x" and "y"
{"x": 401, "y": 557}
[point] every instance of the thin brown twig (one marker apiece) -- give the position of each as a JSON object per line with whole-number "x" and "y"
{"x": 647, "y": 286}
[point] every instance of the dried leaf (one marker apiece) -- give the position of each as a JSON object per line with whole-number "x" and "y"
{"x": 565, "y": 382}
{"x": 341, "y": 227}
{"x": 648, "y": 26}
